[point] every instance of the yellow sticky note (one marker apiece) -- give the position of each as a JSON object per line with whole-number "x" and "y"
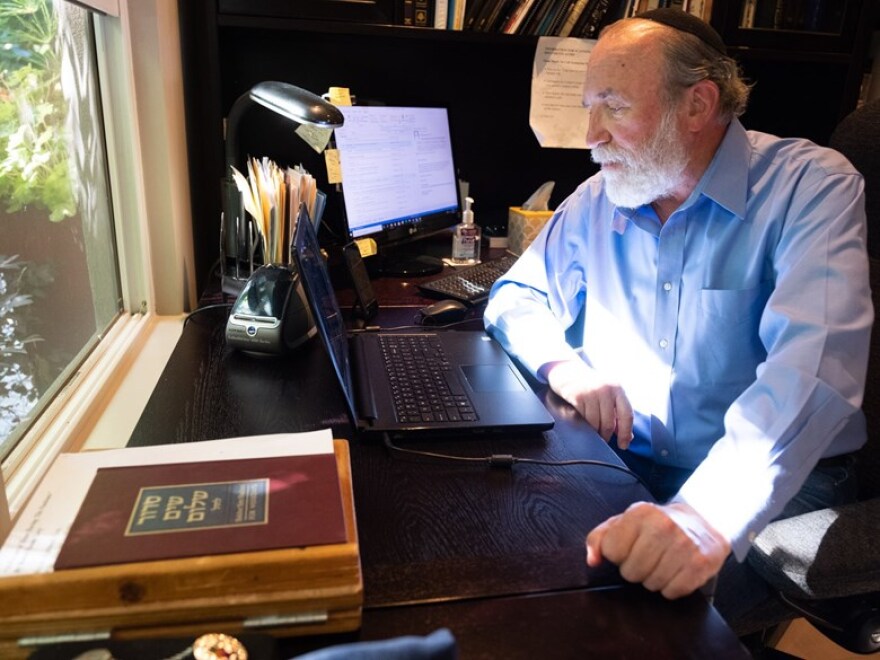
{"x": 339, "y": 96}
{"x": 367, "y": 247}
{"x": 315, "y": 136}
{"x": 334, "y": 171}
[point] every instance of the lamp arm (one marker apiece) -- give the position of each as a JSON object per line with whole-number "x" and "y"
{"x": 241, "y": 104}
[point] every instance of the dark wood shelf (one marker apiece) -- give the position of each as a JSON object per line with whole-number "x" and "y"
{"x": 352, "y": 11}
{"x": 857, "y": 17}
{"x": 377, "y": 30}
{"x": 793, "y": 55}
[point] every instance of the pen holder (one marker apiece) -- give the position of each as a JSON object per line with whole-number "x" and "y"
{"x": 239, "y": 243}
{"x": 242, "y": 249}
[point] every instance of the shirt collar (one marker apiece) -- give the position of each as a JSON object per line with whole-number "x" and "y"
{"x": 726, "y": 179}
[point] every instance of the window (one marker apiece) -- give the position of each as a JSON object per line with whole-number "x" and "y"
{"x": 118, "y": 66}
{"x": 59, "y": 282}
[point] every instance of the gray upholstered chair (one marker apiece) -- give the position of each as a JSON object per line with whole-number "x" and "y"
{"x": 826, "y": 564}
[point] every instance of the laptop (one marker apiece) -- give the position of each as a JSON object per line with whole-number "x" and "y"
{"x": 419, "y": 383}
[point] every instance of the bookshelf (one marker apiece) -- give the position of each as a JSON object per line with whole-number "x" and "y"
{"x": 805, "y": 82}
{"x": 807, "y": 59}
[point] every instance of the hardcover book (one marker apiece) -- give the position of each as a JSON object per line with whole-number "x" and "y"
{"x": 152, "y": 512}
{"x": 407, "y": 12}
{"x": 422, "y": 13}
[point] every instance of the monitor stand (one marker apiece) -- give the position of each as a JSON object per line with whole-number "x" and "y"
{"x": 410, "y": 265}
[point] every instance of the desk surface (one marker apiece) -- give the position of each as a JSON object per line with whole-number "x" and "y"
{"x": 481, "y": 551}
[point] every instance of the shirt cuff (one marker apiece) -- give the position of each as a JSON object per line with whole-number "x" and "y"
{"x": 734, "y": 498}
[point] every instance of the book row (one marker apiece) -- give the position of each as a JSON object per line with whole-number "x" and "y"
{"x": 556, "y": 18}
{"x": 809, "y": 15}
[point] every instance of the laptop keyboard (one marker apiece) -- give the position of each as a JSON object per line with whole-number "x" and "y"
{"x": 422, "y": 388}
{"x": 470, "y": 285}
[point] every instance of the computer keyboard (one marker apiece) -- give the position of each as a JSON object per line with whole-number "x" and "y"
{"x": 417, "y": 373}
{"x": 471, "y": 284}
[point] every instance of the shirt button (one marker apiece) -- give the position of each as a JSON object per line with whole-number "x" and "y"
{"x": 667, "y": 286}
{"x": 664, "y": 453}
{"x": 752, "y": 537}
{"x": 663, "y": 343}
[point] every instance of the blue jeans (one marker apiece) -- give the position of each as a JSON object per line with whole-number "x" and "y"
{"x": 744, "y": 599}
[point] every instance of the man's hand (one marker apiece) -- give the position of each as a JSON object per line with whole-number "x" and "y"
{"x": 604, "y": 405}
{"x": 667, "y": 548}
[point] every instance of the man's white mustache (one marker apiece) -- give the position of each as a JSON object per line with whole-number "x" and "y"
{"x": 606, "y": 157}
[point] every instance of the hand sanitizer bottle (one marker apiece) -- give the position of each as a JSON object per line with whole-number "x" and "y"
{"x": 466, "y": 239}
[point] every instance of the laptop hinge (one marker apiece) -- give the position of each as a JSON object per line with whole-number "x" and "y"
{"x": 366, "y": 405}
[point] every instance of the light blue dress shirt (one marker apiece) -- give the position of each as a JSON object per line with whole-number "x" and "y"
{"x": 739, "y": 328}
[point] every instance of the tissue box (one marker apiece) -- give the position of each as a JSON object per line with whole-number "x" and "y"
{"x": 523, "y": 227}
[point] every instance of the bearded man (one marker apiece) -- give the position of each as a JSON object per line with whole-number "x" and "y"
{"x": 713, "y": 285}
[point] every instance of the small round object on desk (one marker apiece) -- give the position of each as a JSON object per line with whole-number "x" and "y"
{"x": 217, "y": 646}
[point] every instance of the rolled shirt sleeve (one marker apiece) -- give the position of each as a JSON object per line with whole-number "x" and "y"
{"x": 534, "y": 303}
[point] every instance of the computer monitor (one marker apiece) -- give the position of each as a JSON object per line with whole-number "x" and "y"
{"x": 399, "y": 181}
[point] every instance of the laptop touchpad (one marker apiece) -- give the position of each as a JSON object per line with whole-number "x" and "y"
{"x": 492, "y": 378}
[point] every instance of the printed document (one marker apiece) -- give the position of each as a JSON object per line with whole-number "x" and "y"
{"x": 557, "y": 114}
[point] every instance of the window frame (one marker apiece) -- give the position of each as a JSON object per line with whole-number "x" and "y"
{"x": 140, "y": 73}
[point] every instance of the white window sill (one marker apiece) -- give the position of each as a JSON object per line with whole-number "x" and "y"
{"x": 101, "y": 405}
{"x": 128, "y": 399}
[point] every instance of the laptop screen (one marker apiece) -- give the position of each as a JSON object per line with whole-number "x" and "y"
{"x": 322, "y": 300}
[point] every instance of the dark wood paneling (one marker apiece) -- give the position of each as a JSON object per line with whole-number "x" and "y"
{"x": 365, "y": 11}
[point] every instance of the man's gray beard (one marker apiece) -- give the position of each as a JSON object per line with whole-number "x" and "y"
{"x": 649, "y": 174}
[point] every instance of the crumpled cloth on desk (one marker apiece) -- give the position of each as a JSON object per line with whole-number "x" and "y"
{"x": 439, "y": 645}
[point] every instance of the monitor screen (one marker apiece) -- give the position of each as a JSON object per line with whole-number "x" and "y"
{"x": 398, "y": 176}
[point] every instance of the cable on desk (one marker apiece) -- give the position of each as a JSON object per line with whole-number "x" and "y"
{"x": 812, "y": 617}
{"x": 205, "y": 308}
{"x": 416, "y": 326}
{"x": 507, "y": 461}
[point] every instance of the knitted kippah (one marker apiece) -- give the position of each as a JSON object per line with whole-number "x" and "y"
{"x": 682, "y": 20}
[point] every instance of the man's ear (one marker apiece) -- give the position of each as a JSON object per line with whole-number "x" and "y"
{"x": 703, "y": 99}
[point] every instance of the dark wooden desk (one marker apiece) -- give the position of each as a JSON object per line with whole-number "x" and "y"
{"x": 497, "y": 556}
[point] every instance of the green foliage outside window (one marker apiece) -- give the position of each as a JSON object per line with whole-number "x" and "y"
{"x": 19, "y": 392}
{"x": 34, "y": 160}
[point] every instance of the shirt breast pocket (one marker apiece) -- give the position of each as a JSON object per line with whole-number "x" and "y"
{"x": 728, "y": 338}
{"x": 735, "y": 305}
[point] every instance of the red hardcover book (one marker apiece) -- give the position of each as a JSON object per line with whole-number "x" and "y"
{"x": 153, "y": 512}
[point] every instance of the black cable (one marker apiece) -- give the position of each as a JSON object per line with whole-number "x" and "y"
{"x": 507, "y": 461}
{"x": 419, "y": 322}
{"x": 807, "y": 614}
{"x": 205, "y": 308}
{"x": 214, "y": 270}
{"x": 417, "y": 326}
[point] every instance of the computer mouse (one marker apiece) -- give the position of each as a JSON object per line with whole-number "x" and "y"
{"x": 443, "y": 311}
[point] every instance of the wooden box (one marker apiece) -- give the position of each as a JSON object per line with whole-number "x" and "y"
{"x": 292, "y": 591}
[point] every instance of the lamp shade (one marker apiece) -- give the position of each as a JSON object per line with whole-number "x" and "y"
{"x": 289, "y": 101}
{"x": 296, "y": 104}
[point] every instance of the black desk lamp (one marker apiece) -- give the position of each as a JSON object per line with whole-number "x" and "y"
{"x": 297, "y": 105}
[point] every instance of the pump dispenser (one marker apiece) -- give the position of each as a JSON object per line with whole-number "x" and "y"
{"x": 466, "y": 238}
